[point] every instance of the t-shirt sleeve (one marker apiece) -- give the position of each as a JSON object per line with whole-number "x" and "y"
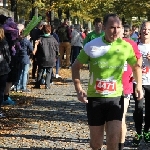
{"x": 131, "y": 59}
{"x": 83, "y": 57}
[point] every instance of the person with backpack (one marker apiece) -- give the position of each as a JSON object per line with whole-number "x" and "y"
{"x": 64, "y": 34}
{"x": 4, "y": 66}
{"x": 47, "y": 50}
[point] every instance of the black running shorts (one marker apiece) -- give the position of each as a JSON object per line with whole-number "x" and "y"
{"x": 101, "y": 110}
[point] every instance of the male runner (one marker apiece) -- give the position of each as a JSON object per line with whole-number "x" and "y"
{"x": 106, "y": 56}
{"x": 144, "y": 47}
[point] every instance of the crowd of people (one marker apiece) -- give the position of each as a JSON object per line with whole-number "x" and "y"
{"x": 118, "y": 59}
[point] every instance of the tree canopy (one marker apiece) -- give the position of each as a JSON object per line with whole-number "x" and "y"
{"x": 87, "y": 9}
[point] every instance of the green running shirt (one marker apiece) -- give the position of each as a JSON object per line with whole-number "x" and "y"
{"x": 92, "y": 35}
{"x": 106, "y": 65}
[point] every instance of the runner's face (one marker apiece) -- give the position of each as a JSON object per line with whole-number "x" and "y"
{"x": 98, "y": 26}
{"x": 126, "y": 33}
{"x": 113, "y": 29}
{"x": 145, "y": 31}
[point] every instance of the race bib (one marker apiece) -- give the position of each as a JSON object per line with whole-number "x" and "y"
{"x": 145, "y": 70}
{"x": 105, "y": 86}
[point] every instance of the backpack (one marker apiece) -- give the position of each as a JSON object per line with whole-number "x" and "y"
{"x": 4, "y": 48}
{"x": 62, "y": 34}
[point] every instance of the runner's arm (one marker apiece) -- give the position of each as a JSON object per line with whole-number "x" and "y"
{"x": 137, "y": 73}
{"x": 81, "y": 94}
{"x": 137, "y": 70}
{"x": 76, "y": 75}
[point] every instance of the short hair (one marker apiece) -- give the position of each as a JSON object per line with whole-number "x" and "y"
{"x": 66, "y": 19}
{"x": 134, "y": 26}
{"x": 106, "y": 17}
{"x": 2, "y": 35}
{"x": 41, "y": 23}
{"x": 46, "y": 29}
{"x": 127, "y": 26}
{"x": 143, "y": 23}
{"x": 97, "y": 20}
{"x": 77, "y": 26}
{"x": 2, "y": 19}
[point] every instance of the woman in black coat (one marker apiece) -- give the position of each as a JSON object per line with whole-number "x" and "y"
{"x": 4, "y": 66}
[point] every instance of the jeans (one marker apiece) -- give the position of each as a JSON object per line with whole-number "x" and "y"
{"x": 23, "y": 77}
{"x": 75, "y": 53}
{"x": 138, "y": 113}
{"x": 48, "y": 75}
{"x": 57, "y": 65}
{"x": 3, "y": 79}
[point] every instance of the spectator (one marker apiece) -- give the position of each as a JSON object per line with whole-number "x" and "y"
{"x": 35, "y": 34}
{"x": 47, "y": 52}
{"x": 134, "y": 35}
{"x": 24, "y": 52}
{"x": 58, "y": 59}
{"x": 76, "y": 42}
{"x": 4, "y": 66}
{"x": 64, "y": 34}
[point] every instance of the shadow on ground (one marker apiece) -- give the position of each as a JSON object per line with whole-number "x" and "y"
{"x": 30, "y": 108}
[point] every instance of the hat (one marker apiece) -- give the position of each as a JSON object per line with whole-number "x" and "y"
{"x": 2, "y": 19}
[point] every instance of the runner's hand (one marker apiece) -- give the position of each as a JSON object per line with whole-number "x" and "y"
{"x": 139, "y": 93}
{"x": 82, "y": 96}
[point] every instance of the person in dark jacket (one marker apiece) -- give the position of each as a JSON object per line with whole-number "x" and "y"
{"x": 46, "y": 49}
{"x": 35, "y": 34}
{"x": 4, "y": 66}
{"x": 25, "y": 50}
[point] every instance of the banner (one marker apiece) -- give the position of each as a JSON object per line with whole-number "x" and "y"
{"x": 35, "y": 20}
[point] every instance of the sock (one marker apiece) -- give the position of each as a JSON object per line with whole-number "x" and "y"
{"x": 121, "y": 146}
{"x": 139, "y": 131}
{"x": 5, "y": 97}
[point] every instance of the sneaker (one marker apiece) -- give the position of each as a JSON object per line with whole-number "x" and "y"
{"x": 46, "y": 87}
{"x": 51, "y": 83}
{"x": 9, "y": 101}
{"x": 146, "y": 137}
{"x": 58, "y": 76}
{"x": 43, "y": 81}
{"x": 136, "y": 140}
{"x": 26, "y": 90}
{"x": 18, "y": 91}
{"x": 2, "y": 115}
{"x": 12, "y": 87}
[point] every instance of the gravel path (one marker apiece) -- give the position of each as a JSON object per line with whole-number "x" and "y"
{"x": 51, "y": 120}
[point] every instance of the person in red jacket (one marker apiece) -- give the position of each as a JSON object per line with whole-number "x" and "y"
{"x": 127, "y": 84}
